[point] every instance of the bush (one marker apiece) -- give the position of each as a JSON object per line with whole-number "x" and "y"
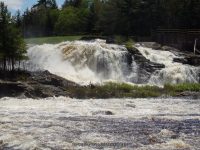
{"x": 119, "y": 39}
{"x": 129, "y": 44}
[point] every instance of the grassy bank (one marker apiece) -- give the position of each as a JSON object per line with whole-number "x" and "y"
{"x": 51, "y": 40}
{"x": 122, "y": 90}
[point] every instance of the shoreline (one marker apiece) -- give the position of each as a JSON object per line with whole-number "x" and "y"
{"x": 44, "y": 84}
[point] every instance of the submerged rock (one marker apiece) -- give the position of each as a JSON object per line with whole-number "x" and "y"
{"x": 108, "y": 113}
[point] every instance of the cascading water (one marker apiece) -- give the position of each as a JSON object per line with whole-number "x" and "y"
{"x": 96, "y": 62}
{"x": 84, "y": 62}
{"x": 66, "y": 123}
{"x": 173, "y": 72}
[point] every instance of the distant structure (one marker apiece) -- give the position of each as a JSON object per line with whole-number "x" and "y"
{"x": 182, "y": 39}
{"x": 195, "y": 47}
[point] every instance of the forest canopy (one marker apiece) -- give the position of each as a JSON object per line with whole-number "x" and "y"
{"x": 108, "y": 17}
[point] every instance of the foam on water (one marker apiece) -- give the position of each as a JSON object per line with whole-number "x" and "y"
{"x": 96, "y": 62}
{"x": 173, "y": 72}
{"x": 176, "y": 108}
{"x": 58, "y": 123}
{"x": 84, "y": 62}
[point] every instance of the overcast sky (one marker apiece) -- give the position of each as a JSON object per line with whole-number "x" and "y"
{"x": 14, "y": 5}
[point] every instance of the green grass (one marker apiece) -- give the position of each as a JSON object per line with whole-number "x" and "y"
{"x": 123, "y": 90}
{"x": 193, "y": 87}
{"x": 115, "y": 90}
{"x": 51, "y": 40}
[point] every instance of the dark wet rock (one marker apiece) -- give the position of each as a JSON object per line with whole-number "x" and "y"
{"x": 110, "y": 40}
{"x": 146, "y": 67}
{"x": 193, "y": 60}
{"x": 109, "y": 113}
{"x": 1, "y": 142}
{"x": 189, "y": 94}
{"x": 153, "y": 140}
{"x": 47, "y": 78}
{"x": 180, "y": 60}
{"x": 152, "y": 45}
{"x": 36, "y": 85}
{"x": 168, "y": 48}
{"x": 12, "y": 89}
{"x": 131, "y": 105}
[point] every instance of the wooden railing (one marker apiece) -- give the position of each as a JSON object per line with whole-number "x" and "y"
{"x": 183, "y": 39}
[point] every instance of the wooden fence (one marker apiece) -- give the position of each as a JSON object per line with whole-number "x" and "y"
{"x": 178, "y": 38}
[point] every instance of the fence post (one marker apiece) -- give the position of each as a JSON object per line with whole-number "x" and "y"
{"x": 195, "y": 45}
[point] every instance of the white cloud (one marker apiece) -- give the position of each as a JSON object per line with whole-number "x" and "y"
{"x": 13, "y": 4}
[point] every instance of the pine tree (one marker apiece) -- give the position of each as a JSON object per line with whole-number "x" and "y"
{"x": 12, "y": 46}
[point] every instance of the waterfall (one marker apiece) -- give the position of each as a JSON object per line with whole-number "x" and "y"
{"x": 173, "y": 72}
{"x": 84, "y": 62}
{"x": 96, "y": 62}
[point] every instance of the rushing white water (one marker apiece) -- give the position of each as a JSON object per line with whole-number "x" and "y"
{"x": 65, "y": 123}
{"x": 96, "y": 62}
{"x": 173, "y": 72}
{"x": 84, "y": 62}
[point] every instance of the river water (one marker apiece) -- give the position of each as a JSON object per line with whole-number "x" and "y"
{"x": 130, "y": 124}
{"x": 65, "y": 123}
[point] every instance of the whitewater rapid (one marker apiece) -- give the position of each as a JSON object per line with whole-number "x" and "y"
{"x": 173, "y": 72}
{"x": 97, "y": 62}
{"x": 91, "y": 124}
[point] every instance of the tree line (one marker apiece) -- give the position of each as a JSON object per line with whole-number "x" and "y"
{"x": 12, "y": 46}
{"x": 108, "y": 17}
{"x": 99, "y": 17}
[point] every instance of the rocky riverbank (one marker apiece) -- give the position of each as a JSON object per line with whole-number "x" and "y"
{"x": 44, "y": 84}
{"x": 34, "y": 85}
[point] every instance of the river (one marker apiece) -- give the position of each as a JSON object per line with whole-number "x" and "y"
{"x": 65, "y": 123}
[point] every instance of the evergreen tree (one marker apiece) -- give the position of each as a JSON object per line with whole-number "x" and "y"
{"x": 73, "y": 3}
{"x": 12, "y": 46}
{"x": 123, "y": 17}
{"x": 46, "y": 4}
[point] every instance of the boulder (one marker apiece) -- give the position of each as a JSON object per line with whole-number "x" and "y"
{"x": 36, "y": 85}
{"x": 11, "y": 89}
{"x": 193, "y": 60}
